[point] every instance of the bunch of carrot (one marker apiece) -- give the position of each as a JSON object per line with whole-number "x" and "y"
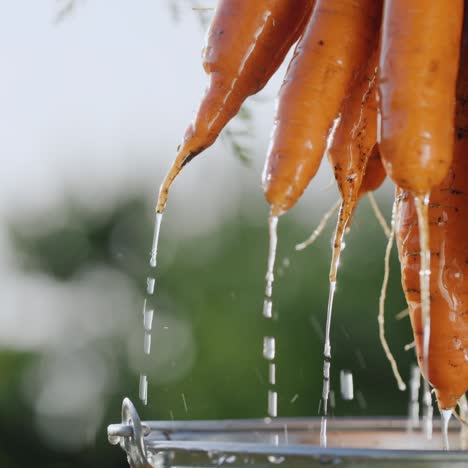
{"x": 390, "y": 77}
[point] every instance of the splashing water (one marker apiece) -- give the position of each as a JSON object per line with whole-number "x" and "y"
{"x": 422, "y": 205}
{"x": 269, "y": 342}
{"x": 143, "y": 389}
{"x": 338, "y": 246}
{"x": 326, "y": 366}
{"x": 272, "y": 404}
{"x": 154, "y": 247}
{"x": 269, "y": 347}
{"x": 346, "y": 386}
{"x": 150, "y": 283}
{"x": 272, "y": 229}
{"x": 147, "y": 324}
{"x": 446, "y": 415}
{"x": 272, "y": 373}
{"x": 413, "y": 407}
{"x": 148, "y": 313}
{"x": 427, "y": 410}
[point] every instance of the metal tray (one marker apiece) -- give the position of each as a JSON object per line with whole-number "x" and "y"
{"x": 291, "y": 442}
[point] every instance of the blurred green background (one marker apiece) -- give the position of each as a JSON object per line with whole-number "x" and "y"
{"x": 208, "y": 328}
{"x": 92, "y": 126}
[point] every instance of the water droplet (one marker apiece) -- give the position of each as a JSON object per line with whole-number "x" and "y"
{"x": 148, "y": 320}
{"x": 154, "y": 248}
{"x": 143, "y": 389}
{"x": 150, "y": 282}
{"x": 323, "y": 432}
{"x": 272, "y": 404}
{"x": 414, "y": 386}
{"x": 269, "y": 347}
{"x": 275, "y": 460}
{"x": 147, "y": 343}
{"x": 346, "y": 385}
{"x": 465, "y": 354}
{"x": 457, "y": 343}
{"x": 427, "y": 411}
{"x": 272, "y": 373}
{"x": 446, "y": 415}
{"x": 267, "y": 308}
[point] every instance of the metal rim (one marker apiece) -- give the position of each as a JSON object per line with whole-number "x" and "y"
{"x": 133, "y": 437}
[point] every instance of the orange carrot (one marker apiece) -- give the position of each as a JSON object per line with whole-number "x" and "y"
{"x": 417, "y": 79}
{"x": 354, "y": 138}
{"x": 246, "y": 43}
{"x": 448, "y": 225}
{"x": 374, "y": 173}
{"x": 332, "y": 52}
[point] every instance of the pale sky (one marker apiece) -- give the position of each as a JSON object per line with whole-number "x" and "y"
{"x": 97, "y": 104}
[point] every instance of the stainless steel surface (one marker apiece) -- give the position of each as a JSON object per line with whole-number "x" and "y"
{"x": 353, "y": 442}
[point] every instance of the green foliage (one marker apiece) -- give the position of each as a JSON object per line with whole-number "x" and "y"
{"x": 220, "y": 293}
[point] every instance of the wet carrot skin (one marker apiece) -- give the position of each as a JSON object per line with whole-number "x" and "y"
{"x": 246, "y": 43}
{"x": 355, "y": 137}
{"x": 374, "y": 175}
{"x": 333, "y": 50}
{"x": 448, "y": 225}
{"x": 417, "y": 79}
{"x": 448, "y": 366}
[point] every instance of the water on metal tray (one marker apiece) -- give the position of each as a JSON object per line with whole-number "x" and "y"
{"x": 352, "y": 442}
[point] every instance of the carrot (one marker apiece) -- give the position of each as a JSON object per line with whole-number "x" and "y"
{"x": 245, "y": 45}
{"x": 334, "y": 48}
{"x": 448, "y": 348}
{"x": 417, "y": 79}
{"x": 373, "y": 178}
{"x": 374, "y": 173}
{"x": 354, "y": 139}
{"x": 448, "y": 224}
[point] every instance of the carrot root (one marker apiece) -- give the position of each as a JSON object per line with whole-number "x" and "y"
{"x": 401, "y": 315}
{"x": 378, "y": 214}
{"x": 383, "y": 293}
{"x": 319, "y": 229}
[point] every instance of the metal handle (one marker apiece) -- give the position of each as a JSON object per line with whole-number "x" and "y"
{"x": 130, "y": 434}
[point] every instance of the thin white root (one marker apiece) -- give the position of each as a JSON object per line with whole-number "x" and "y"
{"x": 378, "y": 214}
{"x": 401, "y": 315}
{"x": 383, "y": 293}
{"x": 410, "y": 346}
{"x": 321, "y": 226}
{"x": 461, "y": 420}
{"x": 331, "y": 184}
